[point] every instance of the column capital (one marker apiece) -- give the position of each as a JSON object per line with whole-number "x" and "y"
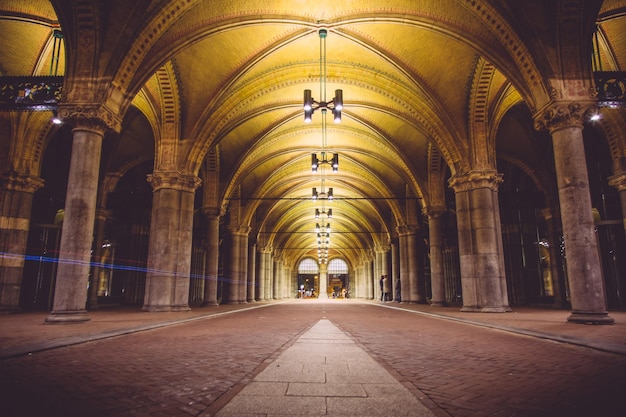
{"x": 434, "y": 212}
{"x": 618, "y": 181}
{"x": 405, "y": 229}
{"x": 103, "y": 214}
{"x": 476, "y": 179}
{"x": 559, "y": 114}
{"x": 546, "y": 213}
{"x": 265, "y": 249}
{"x": 174, "y": 180}
{"x": 239, "y": 230}
{"x": 12, "y": 181}
{"x": 211, "y": 211}
{"x": 382, "y": 248}
{"x": 90, "y": 116}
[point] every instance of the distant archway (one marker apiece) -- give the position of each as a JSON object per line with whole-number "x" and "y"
{"x": 338, "y": 278}
{"x": 308, "y": 278}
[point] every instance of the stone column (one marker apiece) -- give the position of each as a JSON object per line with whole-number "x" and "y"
{"x": 435, "y": 240}
{"x": 16, "y": 201}
{"x": 101, "y": 219}
{"x": 415, "y": 268}
{"x": 238, "y": 265}
{"x": 564, "y": 121}
{"x": 169, "y": 252}
{"x": 378, "y": 273}
{"x": 262, "y": 275}
{"x": 395, "y": 273}
{"x": 252, "y": 286}
{"x": 266, "y": 268}
{"x": 619, "y": 182}
{"x": 271, "y": 277}
{"x": 480, "y": 242}
{"x": 275, "y": 278}
{"x": 357, "y": 288}
{"x": 405, "y": 283}
{"x": 553, "y": 248}
{"x": 323, "y": 280}
{"x": 70, "y": 292}
{"x": 288, "y": 283}
{"x": 212, "y": 257}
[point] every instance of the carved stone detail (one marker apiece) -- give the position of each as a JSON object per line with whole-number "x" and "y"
{"x": 562, "y": 114}
{"x": 174, "y": 180}
{"x": 13, "y": 181}
{"x": 476, "y": 179}
{"x": 94, "y": 117}
{"x": 618, "y": 181}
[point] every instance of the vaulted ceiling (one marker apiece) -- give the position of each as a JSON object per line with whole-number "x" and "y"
{"x": 226, "y": 79}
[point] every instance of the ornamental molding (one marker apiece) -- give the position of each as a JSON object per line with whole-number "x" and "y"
{"x": 22, "y": 183}
{"x": 618, "y": 181}
{"x": 174, "y": 180}
{"x": 562, "y": 114}
{"x": 474, "y": 180}
{"x": 95, "y": 117}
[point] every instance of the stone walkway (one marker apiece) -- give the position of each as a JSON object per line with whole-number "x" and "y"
{"x": 324, "y": 373}
{"x": 232, "y": 359}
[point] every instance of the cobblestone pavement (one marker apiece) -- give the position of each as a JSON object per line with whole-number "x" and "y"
{"x": 195, "y": 367}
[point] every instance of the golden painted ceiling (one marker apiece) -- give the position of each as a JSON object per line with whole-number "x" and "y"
{"x": 219, "y": 87}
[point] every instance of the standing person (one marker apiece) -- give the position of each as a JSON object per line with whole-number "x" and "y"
{"x": 381, "y": 287}
{"x": 386, "y": 289}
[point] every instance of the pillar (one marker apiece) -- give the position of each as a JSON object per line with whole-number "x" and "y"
{"x": 435, "y": 240}
{"x": 16, "y": 201}
{"x": 212, "y": 257}
{"x": 405, "y": 284}
{"x": 323, "y": 280}
{"x": 265, "y": 272}
{"x": 252, "y": 283}
{"x": 417, "y": 288}
{"x": 564, "y": 121}
{"x": 554, "y": 241}
{"x": 243, "y": 280}
{"x": 72, "y": 279}
{"x": 481, "y": 254}
{"x": 237, "y": 266}
{"x": 261, "y": 275}
{"x": 275, "y": 278}
{"x": 619, "y": 182}
{"x": 169, "y": 251}
{"x": 101, "y": 219}
{"x": 395, "y": 273}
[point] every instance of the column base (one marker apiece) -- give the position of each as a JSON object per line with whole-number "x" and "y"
{"x": 159, "y": 309}
{"x": 586, "y": 317}
{"x": 477, "y": 309}
{"x": 211, "y": 304}
{"x": 67, "y": 317}
{"x": 438, "y": 304}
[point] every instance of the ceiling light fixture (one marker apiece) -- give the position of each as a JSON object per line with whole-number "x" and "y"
{"x": 310, "y": 104}
{"x": 55, "y": 118}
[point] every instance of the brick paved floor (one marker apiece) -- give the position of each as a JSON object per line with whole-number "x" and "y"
{"x": 458, "y": 369}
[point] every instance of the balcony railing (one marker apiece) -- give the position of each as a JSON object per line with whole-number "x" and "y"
{"x": 30, "y": 93}
{"x": 611, "y": 88}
